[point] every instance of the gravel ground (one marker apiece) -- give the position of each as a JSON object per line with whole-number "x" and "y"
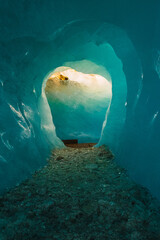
{"x": 81, "y": 194}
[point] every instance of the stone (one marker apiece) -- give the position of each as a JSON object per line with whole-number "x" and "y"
{"x": 102, "y": 202}
{"x": 59, "y": 158}
{"x": 91, "y": 166}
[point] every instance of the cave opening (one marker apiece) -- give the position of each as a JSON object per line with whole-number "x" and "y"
{"x": 79, "y": 103}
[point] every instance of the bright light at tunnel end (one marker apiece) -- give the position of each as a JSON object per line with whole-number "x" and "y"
{"x": 92, "y": 81}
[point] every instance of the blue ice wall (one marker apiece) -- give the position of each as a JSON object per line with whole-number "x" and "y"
{"x": 33, "y": 36}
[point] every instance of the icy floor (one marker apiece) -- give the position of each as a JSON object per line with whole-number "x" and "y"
{"x": 81, "y": 194}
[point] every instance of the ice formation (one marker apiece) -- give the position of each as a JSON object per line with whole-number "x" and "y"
{"x": 39, "y": 36}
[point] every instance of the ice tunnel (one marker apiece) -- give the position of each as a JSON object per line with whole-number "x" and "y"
{"x": 116, "y": 40}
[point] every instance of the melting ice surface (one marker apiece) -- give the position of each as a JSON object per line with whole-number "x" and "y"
{"x": 123, "y": 38}
{"x": 78, "y": 103}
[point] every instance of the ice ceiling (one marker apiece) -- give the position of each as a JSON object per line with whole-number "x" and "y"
{"x": 79, "y": 102}
{"x": 120, "y": 36}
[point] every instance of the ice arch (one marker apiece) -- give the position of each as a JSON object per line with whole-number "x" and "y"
{"x": 105, "y": 57}
{"x": 26, "y": 129}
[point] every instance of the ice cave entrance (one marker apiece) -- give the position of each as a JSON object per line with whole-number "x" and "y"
{"x": 79, "y": 103}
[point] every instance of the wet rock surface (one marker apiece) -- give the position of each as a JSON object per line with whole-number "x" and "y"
{"x": 81, "y": 194}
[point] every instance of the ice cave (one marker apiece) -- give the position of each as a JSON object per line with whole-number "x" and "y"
{"x": 86, "y": 70}
{"x": 29, "y": 54}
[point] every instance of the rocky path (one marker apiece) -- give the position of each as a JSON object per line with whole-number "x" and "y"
{"x": 81, "y": 194}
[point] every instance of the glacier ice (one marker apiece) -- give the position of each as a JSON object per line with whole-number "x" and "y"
{"x": 121, "y": 36}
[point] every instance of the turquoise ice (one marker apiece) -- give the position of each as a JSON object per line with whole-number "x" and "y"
{"x": 121, "y": 36}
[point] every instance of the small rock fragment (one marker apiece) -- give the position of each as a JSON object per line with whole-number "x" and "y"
{"x": 59, "y": 158}
{"x": 102, "y": 202}
{"x": 91, "y": 166}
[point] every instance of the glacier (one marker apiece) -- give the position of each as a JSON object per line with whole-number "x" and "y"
{"x": 122, "y": 37}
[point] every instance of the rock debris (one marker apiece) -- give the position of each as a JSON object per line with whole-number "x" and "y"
{"x": 81, "y": 194}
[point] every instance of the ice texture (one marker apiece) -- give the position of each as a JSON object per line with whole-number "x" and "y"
{"x": 36, "y": 37}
